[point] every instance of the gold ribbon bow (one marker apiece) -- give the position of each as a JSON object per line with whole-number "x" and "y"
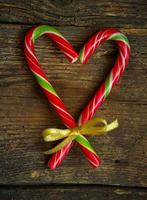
{"x": 89, "y": 128}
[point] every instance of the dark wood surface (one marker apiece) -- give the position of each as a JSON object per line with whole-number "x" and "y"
{"x": 25, "y": 112}
{"x": 114, "y": 13}
{"x": 71, "y": 192}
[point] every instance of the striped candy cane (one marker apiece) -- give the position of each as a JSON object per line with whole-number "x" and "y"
{"x": 51, "y": 94}
{"x": 113, "y": 77}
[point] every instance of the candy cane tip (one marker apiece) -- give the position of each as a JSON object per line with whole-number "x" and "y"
{"x": 52, "y": 167}
{"x": 96, "y": 165}
{"x": 74, "y": 59}
{"x": 83, "y": 62}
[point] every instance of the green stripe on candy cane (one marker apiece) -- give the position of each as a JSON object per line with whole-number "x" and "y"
{"x": 45, "y": 84}
{"x": 120, "y": 37}
{"x": 81, "y": 54}
{"x": 45, "y": 29}
{"x": 108, "y": 85}
{"x": 85, "y": 143}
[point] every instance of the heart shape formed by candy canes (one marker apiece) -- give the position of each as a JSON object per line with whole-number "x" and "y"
{"x": 103, "y": 91}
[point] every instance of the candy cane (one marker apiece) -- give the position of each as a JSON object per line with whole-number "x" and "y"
{"x": 51, "y": 94}
{"x": 113, "y": 77}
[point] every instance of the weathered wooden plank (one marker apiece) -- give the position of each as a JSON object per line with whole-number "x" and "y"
{"x": 24, "y": 111}
{"x": 116, "y": 13}
{"x": 72, "y": 192}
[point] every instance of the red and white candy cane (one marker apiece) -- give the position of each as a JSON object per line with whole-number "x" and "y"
{"x": 51, "y": 94}
{"x": 121, "y": 62}
{"x": 114, "y": 75}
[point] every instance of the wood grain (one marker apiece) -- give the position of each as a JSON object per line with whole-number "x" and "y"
{"x": 25, "y": 112}
{"x": 72, "y": 192}
{"x": 108, "y": 13}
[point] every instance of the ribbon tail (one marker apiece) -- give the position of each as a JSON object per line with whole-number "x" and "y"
{"x": 60, "y": 145}
{"x": 112, "y": 125}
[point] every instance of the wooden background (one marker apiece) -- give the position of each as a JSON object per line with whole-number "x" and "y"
{"x": 25, "y": 112}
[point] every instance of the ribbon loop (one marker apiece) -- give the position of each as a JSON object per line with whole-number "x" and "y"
{"x": 90, "y": 128}
{"x": 53, "y": 134}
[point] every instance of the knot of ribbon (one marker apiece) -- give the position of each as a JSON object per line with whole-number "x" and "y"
{"x": 92, "y": 127}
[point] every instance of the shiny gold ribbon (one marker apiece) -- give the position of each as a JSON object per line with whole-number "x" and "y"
{"x": 89, "y": 128}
